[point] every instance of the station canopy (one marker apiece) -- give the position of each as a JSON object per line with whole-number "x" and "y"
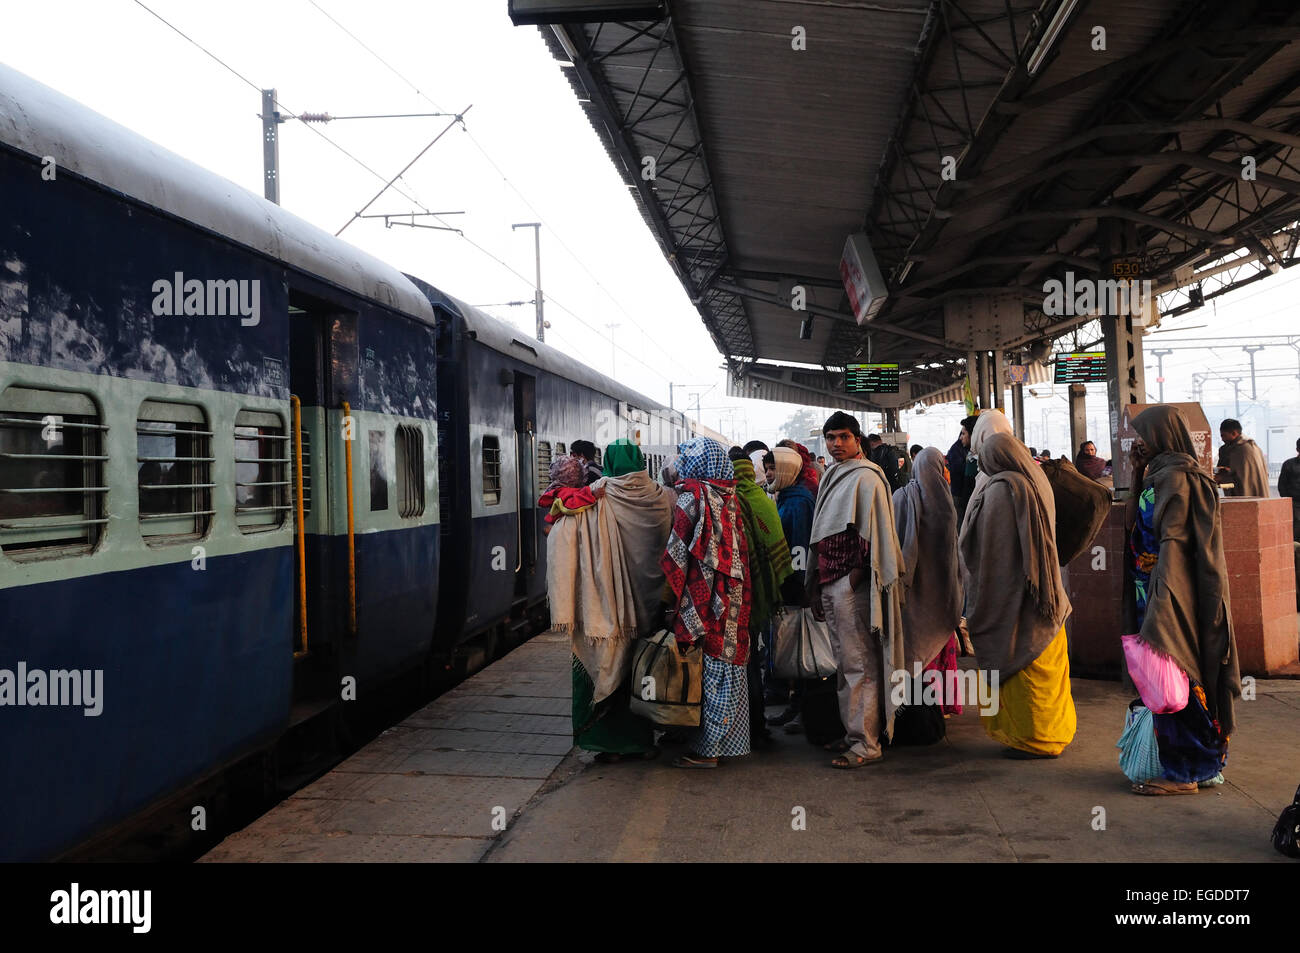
{"x": 979, "y": 146}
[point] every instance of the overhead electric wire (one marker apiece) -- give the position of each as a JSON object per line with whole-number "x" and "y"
{"x": 380, "y": 177}
{"x": 506, "y": 179}
{"x": 289, "y": 112}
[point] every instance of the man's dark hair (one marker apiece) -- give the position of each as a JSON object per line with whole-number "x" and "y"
{"x": 1297, "y": 446}
{"x": 1084, "y": 444}
{"x": 842, "y": 421}
{"x": 874, "y": 438}
{"x": 1045, "y": 453}
{"x": 969, "y": 424}
{"x": 916, "y": 448}
{"x": 737, "y": 453}
{"x": 769, "y": 459}
{"x": 754, "y": 445}
{"x": 1231, "y": 424}
{"x": 1033, "y": 451}
{"x": 583, "y": 448}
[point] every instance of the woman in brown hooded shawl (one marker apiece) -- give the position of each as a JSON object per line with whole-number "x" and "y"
{"x": 1016, "y": 606}
{"x": 1181, "y": 586}
{"x": 926, "y": 520}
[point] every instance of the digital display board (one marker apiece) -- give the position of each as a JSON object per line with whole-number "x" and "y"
{"x": 1086, "y": 368}
{"x": 871, "y": 379}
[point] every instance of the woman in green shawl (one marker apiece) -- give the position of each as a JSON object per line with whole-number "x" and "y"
{"x": 769, "y": 566}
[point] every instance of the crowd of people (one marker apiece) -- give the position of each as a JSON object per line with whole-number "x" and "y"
{"x": 908, "y": 567}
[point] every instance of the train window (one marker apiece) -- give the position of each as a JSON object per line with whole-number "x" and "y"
{"x": 491, "y": 471}
{"x": 597, "y": 460}
{"x": 544, "y": 463}
{"x": 173, "y": 471}
{"x": 559, "y": 450}
{"x": 378, "y": 470}
{"x": 51, "y": 473}
{"x": 261, "y": 475}
{"x": 410, "y": 471}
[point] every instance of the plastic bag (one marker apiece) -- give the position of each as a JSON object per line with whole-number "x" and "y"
{"x": 1139, "y": 754}
{"x": 1161, "y": 683}
{"x": 803, "y": 647}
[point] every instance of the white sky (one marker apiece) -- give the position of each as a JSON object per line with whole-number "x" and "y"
{"x": 600, "y": 264}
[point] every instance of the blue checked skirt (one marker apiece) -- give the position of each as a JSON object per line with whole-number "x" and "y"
{"x": 724, "y": 722}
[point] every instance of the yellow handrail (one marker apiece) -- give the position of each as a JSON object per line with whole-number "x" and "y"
{"x": 298, "y": 517}
{"x": 352, "y": 543}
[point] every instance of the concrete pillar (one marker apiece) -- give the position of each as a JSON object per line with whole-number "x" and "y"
{"x": 996, "y": 364}
{"x": 1018, "y": 410}
{"x": 1079, "y": 418}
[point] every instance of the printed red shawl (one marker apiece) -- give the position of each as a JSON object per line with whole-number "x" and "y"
{"x": 704, "y": 564}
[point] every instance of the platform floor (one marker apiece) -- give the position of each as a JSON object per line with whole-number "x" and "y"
{"x": 499, "y": 747}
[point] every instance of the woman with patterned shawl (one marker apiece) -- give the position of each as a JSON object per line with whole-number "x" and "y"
{"x": 710, "y": 595}
{"x": 1181, "y": 586}
{"x": 769, "y": 567}
{"x": 1016, "y": 605}
{"x": 926, "y": 520}
{"x": 593, "y": 601}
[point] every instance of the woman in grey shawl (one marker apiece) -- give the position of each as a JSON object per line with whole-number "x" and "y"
{"x": 926, "y": 520}
{"x": 1181, "y": 585}
{"x": 1016, "y": 605}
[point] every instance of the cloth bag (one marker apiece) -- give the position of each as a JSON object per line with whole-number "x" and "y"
{"x": 666, "y": 683}
{"x": 1139, "y": 754}
{"x": 1286, "y": 832}
{"x": 1081, "y": 507}
{"x": 802, "y": 646}
{"x": 1161, "y": 683}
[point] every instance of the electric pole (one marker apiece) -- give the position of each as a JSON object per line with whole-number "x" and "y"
{"x": 270, "y": 147}
{"x": 537, "y": 287}
{"x": 1160, "y": 372}
{"x": 1251, "y": 349}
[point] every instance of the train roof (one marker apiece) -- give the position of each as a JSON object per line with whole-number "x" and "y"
{"x": 508, "y": 339}
{"x": 42, "y": 122}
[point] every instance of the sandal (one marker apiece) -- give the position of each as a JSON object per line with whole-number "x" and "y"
{"x": 1159, "y": 786}
{"x": 838, "y": 746}
{"x": 849, "y": 760}
{"x": 686, "y": 761}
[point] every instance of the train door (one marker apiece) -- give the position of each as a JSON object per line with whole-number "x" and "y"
{"x": 312, "y": 327}
{"x": 526, "y": 462}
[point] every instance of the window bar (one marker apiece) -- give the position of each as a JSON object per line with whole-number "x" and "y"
{"x": 62, "y": 424}
{"x": 52, "y": 456}
{"x": 27, "y": 527}
{"x": 173, "y": 516}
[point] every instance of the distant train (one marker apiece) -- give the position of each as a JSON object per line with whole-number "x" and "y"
{"x": 247, "y": 472}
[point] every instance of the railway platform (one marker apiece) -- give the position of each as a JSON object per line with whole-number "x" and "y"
{"x": 487, "y": 772}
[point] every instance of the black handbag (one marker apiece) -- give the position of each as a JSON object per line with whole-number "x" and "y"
{"x": 921, "y": 724}
{"x": 1286, "y": 832}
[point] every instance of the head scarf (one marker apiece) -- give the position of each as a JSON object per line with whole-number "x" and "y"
{"x": 622, "y": 456}
{"x": 568, "y": 470}
{"x": 702, "y": 458}
{"x": 1188, "y": 616}
{"x": 988, "y": 423}
{"x": 1015, "y": 608}
{"x": 809, "y": 476}
{"x": 756, "y": 458}
{"x": 926, "y": 520}
{"x": 769, "y": 555}
{"x": 788, "y": 466}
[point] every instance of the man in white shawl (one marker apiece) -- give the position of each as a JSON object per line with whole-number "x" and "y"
{"x": 855, "y": 577}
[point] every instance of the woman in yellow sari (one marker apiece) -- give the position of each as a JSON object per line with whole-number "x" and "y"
{"x": 1016, "y": 605}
